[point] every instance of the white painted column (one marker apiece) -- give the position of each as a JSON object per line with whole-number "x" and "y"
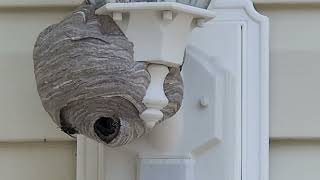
{"x": 155, "y": 99}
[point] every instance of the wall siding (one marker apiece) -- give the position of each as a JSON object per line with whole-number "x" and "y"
{"x": 294, "y": 69}
{"x": 39, "y": 3}
{"x": 38, "y": 161}
{"x": 294, "y": 88}
{"x": 21, "y": 114}
{"x": 24, "y": 123}
{"x": 295, "y": 160}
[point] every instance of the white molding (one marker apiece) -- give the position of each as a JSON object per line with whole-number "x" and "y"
{"x": 255, "y": 120}
{"x": 88, "y": 162}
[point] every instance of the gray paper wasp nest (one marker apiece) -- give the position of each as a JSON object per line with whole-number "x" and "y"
{"x": 89, "y": 82}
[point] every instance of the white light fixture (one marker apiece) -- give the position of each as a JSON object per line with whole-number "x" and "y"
{"x": 159, "y": 32}
{"x": 221, "y": 131}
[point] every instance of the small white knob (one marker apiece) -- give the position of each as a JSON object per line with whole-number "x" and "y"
{"x": 204, "y": 102}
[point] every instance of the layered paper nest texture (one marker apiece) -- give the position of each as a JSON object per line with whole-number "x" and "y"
{"x": 90, "y": 84}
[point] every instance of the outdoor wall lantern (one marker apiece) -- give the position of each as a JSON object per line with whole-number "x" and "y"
{"x": 160, "y": 90}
